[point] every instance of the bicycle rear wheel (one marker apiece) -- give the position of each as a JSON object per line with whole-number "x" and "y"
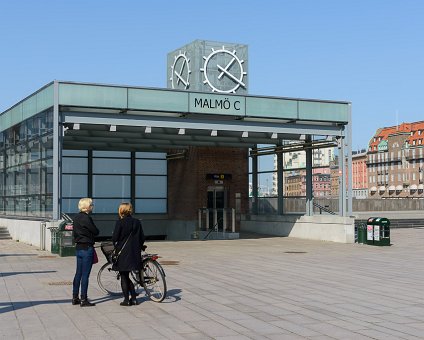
{"x": 109, "y": 280}
{"x": 153, "y": 280}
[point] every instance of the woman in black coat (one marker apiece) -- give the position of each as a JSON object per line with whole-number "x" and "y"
{"x": 128, "y": 236}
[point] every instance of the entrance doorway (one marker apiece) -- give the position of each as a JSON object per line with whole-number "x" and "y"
{"x": 217, "y": 202}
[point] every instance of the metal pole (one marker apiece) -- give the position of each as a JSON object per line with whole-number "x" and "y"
{"x": 349, "y": 162}
{"x": 254, "y": 184}
{"x": 342, "y": 174}
{"x": 57, "y": 153}
{"x": 207, "y": 219}
{"x": 280, "y": 181}
{"x": 309, "y": 194}
{"x": 43, "y": 236}
{"x": 233, "y": 227}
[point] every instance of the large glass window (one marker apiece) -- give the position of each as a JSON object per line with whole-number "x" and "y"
{"x": 26, "y": 167}
{"x": 74, "y": 179}
{"x": 111, "y": 186}
{"x": 111, "y": 181}
{"x": 294, "y": 177}
{"x": 150, "y": 182}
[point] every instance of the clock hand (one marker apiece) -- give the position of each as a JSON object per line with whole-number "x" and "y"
{"x": 180, "y": 78}
{"x": 181, "y": 71}
{"x": 226, "y": 68}
{"x": 231, "y": 76}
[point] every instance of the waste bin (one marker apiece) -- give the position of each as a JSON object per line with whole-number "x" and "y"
{"x": 54, "y": 232}
{"x": 381, "y": 231}
{"x": 362, "y": 233}
{"x": 378, "y": 231}
{"x": 66, "y": 242}
{"x": 370, "y": 231}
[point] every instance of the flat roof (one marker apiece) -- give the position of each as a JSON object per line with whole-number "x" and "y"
{"x": 76, "y": 96}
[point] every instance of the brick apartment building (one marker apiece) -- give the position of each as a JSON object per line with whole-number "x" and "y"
{"x": 395, "y": 161}
{"x": 359, "y": 174}
{"x": 295, "y": 183}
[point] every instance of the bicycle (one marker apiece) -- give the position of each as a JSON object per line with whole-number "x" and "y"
{"x": 151, "y": 278}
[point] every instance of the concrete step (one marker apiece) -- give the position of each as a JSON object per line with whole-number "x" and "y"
{"x": 4, "y": 234}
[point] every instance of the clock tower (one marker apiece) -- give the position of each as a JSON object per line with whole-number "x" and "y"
{"x": 208, "y": 66}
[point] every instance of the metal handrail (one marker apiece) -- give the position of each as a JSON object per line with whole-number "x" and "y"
{"x": 214, "y": 224}
{"x": 321, "y": 208}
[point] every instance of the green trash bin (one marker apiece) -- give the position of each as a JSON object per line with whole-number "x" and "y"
{"x": 381, "y": 231}
{"x": 362, "y": 233}
{"x": 370, "y": 231}
{"x": 66, "y": 241}
{"x": 54, "y": 232}
{"x": 378, "y": 231}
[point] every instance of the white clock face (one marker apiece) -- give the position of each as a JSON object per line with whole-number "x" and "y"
{"x": 223, "y": 71}
{"x": 180, "y": 69}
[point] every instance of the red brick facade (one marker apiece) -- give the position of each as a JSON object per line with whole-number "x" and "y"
{"x": 188, "y": 185}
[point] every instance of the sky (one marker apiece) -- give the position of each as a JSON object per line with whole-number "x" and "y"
{"x": 367, "y": 52}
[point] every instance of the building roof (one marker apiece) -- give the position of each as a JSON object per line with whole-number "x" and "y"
{"x": 417, "y": 133}
{"x": 404, "y": 128}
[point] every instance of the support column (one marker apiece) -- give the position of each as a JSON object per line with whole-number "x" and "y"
{"x": 280, "y": 181}
{"x": 342, "y": 177}
{"x": 57, "y": 154}
{"x": 349, "y": 162}
{"x": 309, "y": 194}
{"x": 254, "y": 184}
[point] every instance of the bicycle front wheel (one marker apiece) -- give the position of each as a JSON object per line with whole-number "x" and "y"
{"x": 153, "y": 280}
{"x": 109, "y": 280}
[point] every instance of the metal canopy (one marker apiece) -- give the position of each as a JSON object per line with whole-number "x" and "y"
{"x": 132, "y": 118}
{"x": 261, "y": 120}
{"x": 147, "y": 132}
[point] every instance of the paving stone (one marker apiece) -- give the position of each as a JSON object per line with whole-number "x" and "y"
{"x": 333, "y": 291}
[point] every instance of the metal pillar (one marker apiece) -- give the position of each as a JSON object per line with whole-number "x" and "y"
{"x": 57, "y": 154}
{"x": 342, "y": 177}
{"x": 254, "y": 184}
{"x": 280, "y": 181}
{"x": 309, "y": 194}
{"x": 349, "y": 162}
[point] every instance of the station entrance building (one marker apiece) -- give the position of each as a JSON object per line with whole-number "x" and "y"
{"x": 184, "y": 159}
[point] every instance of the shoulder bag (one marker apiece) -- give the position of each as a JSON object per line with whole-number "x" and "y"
{"x": 115, "y": 254}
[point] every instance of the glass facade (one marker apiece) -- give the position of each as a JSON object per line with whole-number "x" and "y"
{"x": 26, "y": 167}
{"x": 108, "y": 178}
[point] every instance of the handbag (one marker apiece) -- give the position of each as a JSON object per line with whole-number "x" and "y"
{"x": 115, "y": 255}
{"x": 95, "y": 257}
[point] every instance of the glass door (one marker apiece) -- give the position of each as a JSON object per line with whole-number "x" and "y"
{"x": 217, "y": 202}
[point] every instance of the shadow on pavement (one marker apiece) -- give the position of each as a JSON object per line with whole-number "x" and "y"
{"x": 19, "y": 273}
{"x": 3, "y": 255}
{"x": 172, "y": 296}
{"x": 6, "y": 307}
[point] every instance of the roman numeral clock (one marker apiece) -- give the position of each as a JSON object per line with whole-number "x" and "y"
{"x": 209, "y": 67}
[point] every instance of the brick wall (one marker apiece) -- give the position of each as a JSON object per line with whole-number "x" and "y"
{"x": 187, "y": 183}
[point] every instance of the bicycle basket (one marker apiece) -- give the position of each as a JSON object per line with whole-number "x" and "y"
{"x": 107, "y": 249}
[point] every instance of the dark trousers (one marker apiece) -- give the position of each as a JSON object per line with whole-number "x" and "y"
{"x": 127, "y": 286}
{"x": 84, "y": 264}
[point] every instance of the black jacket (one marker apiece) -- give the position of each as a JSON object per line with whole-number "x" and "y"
{"x": 130, "y": 257}
{"x": 84, "y": 229}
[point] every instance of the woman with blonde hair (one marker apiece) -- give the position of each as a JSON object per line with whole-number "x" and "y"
{"x": 84, "y": 232}
{"x": 128, "y": 237}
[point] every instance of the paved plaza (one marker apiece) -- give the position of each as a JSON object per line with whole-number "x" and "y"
{"x": 264, "y": 288}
